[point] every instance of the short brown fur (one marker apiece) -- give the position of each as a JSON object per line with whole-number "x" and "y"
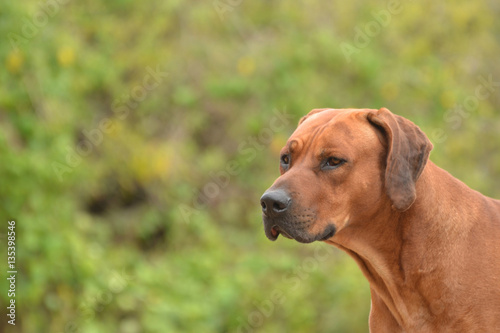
{"x": 428, "y": 245}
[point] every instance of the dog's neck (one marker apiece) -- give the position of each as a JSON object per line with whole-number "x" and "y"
{"x": 393, "y": 266}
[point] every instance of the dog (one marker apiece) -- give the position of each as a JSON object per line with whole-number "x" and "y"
{"x": 429, "y": 246}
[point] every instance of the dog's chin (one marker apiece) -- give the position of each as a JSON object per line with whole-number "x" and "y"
{"x": 273, "y": 231}
{"x": 328, "y": 233}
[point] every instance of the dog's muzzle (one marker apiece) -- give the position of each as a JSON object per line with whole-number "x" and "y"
{"x": 275, "y": 208}
{"x": 280, "y": 217}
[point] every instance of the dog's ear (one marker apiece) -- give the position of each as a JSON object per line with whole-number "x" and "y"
{"x": 313, "y": 111}
{"x": 408, "y": 150}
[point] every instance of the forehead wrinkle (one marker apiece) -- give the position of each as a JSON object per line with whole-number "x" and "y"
{"x": 330, "y": 119}
{"x": 308, "y": 140}
{"x": 356, "y": 134}
{"x": 316, "y": 133}
{"x": 344, "y": 127}
{"x": 334, "y": 143}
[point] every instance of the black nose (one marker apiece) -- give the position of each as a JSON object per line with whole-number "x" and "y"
{"x": 275, "y": 203}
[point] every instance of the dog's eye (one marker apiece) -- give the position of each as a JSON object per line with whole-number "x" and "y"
{"x": 333, "y": 162}
{"x": 285, "y": 159}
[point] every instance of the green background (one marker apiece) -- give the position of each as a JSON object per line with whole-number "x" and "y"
{"x": 109, "y": 170}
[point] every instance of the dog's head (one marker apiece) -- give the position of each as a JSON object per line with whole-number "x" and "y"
{"x": 339, "y": 168}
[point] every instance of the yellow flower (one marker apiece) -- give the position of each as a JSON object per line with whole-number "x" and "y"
{"x": 116, "y": 129}
{"x": 447, "y": 99}
{"x": 389, "y": 91}
{"x": 14, "y": 62}
{"x": 162, "y": 166}
{"x": 246, "y": 66}
{"x": 66, "y": 56}
{"x": 149, "y": 165}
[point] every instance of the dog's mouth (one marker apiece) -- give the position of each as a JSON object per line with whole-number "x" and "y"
{"x": 273, "y": 233}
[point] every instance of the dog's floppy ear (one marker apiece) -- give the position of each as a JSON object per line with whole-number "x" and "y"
{"x": 313, "y": 111}
{"x": 408, "y": 150}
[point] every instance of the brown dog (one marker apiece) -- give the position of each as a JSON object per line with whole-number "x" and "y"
{"x": 429, "y": 246}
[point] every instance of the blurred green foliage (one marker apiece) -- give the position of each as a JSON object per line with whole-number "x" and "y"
{"x": 109, "y": 169}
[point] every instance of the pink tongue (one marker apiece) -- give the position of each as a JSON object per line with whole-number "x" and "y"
{"x": 274, "y": 232}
